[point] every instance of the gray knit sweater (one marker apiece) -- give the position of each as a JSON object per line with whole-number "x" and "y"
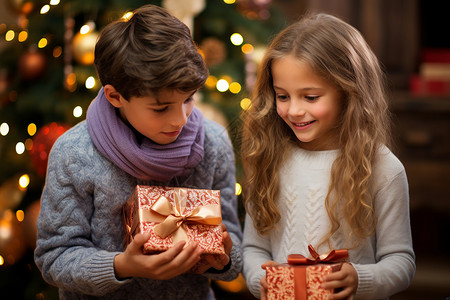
{"x": 80, "y": 229}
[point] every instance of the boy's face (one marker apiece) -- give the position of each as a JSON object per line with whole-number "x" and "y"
{"x": 160, "y": 117}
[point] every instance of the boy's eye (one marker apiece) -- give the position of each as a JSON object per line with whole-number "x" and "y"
{"x": 189, "y": 99}
{"x": 160, "y": 109}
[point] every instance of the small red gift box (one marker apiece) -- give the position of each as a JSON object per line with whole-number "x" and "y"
{"x": 173, "y": 214}
{"x": 301, "y": 277}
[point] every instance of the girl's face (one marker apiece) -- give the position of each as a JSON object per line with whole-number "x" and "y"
{"x": 308, "y": 104}
{"x": 162, "y": 120}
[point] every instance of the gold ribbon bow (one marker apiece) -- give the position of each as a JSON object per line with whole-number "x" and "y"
{"x": 172, "y": 218}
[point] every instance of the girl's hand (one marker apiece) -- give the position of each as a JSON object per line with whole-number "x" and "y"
{"x": 263, "y": 281}
{"x": 345, "y": 280}
{"x": 216, "y": 261}
{"x": 166, "y": 265}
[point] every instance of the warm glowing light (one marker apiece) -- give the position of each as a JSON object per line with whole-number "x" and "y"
{"x": 23, "y": 35}
{"x": 29, "y": 144}
{"x": 9, "y": 36}
{"x": 229, "y": 1}
{"x": 222, "y": 85}
{"x": 247, "y": 48}
{"x": 127, "y": 16}
{"x": 24, "y": 181}
{"x": 2, "y": 260}
{"x": 54, "y": 2}
{"x": 45, "y": 9}
{"x": 57, "y": 51}
{"x": 31, "y": 129}
{"x": 245, "y": 103}
{"x": 235, "y": 87}
{"x": 85, "y": 29}
{"x": 211, "y": 81}
{"x": 20, "y": 148}
{"x": 42, "y": 43}
{"x": 236, "y": 39}
{"x": 4, "y": 129}
{"x": 238, "y": 189}
{"x": 20, "y": 215}
{"x": 77, "y": 112}
{"x": 90, "y": 82}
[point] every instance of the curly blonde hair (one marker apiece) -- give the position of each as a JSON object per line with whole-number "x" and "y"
{"x": 338, "y": 53}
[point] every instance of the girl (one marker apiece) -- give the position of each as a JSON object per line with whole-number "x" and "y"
{"x": 317, "y": 167}
{"x": 142, "y": 128}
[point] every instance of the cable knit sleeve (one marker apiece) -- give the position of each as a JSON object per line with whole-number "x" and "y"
{"x": 219, "y": 151}
{"x": 257, "y": 250}
{"x": 395, "y": 267}
{"x": 65, "y": 252}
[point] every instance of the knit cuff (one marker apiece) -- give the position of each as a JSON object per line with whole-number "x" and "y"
{"x": 365, "y": 282}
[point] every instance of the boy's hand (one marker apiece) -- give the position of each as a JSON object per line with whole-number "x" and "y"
{"x": 263, "y": 281}
{"x": 345, "y": 281}
{"x": 166, "y": 265}
{"x": 216, "y": 261}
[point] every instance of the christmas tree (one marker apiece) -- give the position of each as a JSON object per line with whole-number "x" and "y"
{"x": 47, "y": 81}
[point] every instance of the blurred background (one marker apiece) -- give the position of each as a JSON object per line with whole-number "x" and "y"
{"x": 47, "y": 81}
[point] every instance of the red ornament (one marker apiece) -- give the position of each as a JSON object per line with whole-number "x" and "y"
{"x": 32, "y": 64}
{"x": 42, "y": 144}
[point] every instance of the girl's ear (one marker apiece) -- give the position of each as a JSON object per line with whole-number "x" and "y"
{"x": 113, "y": 96}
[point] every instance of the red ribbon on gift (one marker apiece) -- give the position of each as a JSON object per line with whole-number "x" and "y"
{"x": 334, "y": 256}
{"x": 331, "y": 257}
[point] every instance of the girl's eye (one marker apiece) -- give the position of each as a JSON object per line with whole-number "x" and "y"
{"x": 311, "y": 98}
{"x": 281, "y": 97}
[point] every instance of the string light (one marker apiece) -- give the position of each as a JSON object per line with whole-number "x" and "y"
{"x": 54, "y": 2}
{"x": 42, "y": 43}
{"x": 222, "y": 85}
{"x": 90, "y": 82}
{"x": 236, "y": 39}
{"x": 77, "y": 111}
{"x": 9, "y": 36}
{"x": 211, "y": 81}
{"x": 229, "y": 1}
{"x": 235, "y": 87}
{"x": 4, "y": 129}
{"x": 247, "y": 48}
{"x": 24, "y": 181}
{"x": 45, "y": 9}
{"x": 20, "y": 148}
{"x": 20, "y": 215}
{"x": 127, "y": 16}
{"x": 238, "y": 189}
{"x": 245, "y": 103}
{"x": 31, "y": 129}
{"x": 23, "y": 35}
{"x": 85, "y": 29}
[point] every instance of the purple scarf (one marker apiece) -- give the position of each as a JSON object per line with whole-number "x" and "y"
{"x": 147, "y": 160}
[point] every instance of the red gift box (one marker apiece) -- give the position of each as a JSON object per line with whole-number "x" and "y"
{"x": 301, "y": 277}
{"x": 173, "y": 214}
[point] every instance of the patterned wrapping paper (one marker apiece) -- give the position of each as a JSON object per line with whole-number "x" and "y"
{"x": 195, "y": 211}
{"x": 301, "y": 277}
{"x": 298, "y": 282}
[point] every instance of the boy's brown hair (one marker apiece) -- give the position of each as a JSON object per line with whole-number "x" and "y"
{"x": 149, "y": 52}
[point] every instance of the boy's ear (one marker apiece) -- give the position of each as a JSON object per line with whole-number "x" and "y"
{"x": 113, "y": 96}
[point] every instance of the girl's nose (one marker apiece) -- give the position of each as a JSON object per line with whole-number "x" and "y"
{"x": 296, "y": 108}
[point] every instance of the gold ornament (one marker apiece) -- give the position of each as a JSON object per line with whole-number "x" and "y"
{"x": 214, "y": 51}
{"x": 83, "y": 46}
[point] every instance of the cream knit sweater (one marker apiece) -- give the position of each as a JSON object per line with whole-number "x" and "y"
{"x": 384, "y": 262}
